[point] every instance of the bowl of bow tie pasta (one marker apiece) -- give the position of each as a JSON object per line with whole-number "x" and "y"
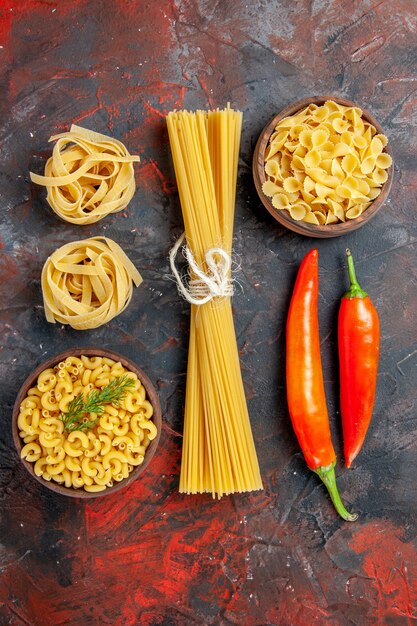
{"x": 86, "y": 422}
{"x": 322, "y": 167}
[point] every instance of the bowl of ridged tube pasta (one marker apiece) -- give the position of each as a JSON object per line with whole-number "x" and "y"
{"x": 322, "y": 167}
{"x": 86, "y": 422}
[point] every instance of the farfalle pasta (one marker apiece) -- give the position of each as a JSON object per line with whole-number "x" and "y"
{"x": 91, "y": 459}
{"x": 325, "y": 164}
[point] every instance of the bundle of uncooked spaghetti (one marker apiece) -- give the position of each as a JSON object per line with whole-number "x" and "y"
{"x": 218, "y": 454}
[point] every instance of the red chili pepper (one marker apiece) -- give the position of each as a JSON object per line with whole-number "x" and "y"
{"x": 358, "y": 358}
{"x": 305, "y": 387}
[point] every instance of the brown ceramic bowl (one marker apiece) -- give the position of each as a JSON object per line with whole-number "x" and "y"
{"x": 282, "y": 216}
{"x": 151, "y": 395}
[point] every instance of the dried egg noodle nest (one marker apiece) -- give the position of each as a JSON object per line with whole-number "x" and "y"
{"x": 88, "y": 176}
{"x": 325, "y": 164}
{"x": 87, "y": 283}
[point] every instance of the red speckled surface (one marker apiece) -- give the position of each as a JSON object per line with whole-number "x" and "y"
{"x": 148, "y": 556}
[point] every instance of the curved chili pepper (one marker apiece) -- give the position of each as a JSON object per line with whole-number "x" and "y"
{"x": 305, "y": 386}
{"x": 358, "y": 357}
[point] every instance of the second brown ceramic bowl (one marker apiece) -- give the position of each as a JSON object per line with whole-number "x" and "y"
{"x": 151, "y": 396}
{"x": 282, "y": 216}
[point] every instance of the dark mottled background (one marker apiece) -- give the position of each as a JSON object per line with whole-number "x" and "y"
{"x": 148, "y": 555}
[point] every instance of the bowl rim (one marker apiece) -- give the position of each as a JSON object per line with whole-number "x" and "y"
{"x": 304, "y": 228}
{"x": 156, "y": 418}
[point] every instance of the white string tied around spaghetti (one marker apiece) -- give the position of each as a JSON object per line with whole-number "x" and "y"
{"x": 215, "y": 283}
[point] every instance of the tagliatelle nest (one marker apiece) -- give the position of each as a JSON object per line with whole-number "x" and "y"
{"x": 87, "y": 283}
{"x": 88, "y": 176}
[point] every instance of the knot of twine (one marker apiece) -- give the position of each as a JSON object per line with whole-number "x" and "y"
{"x": 215, "y": 283}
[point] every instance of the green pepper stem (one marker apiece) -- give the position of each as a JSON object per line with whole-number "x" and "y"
{"x": 327, "y": 475}
{"x": 351, "y": 269}
{"x": 355, "y": 290}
